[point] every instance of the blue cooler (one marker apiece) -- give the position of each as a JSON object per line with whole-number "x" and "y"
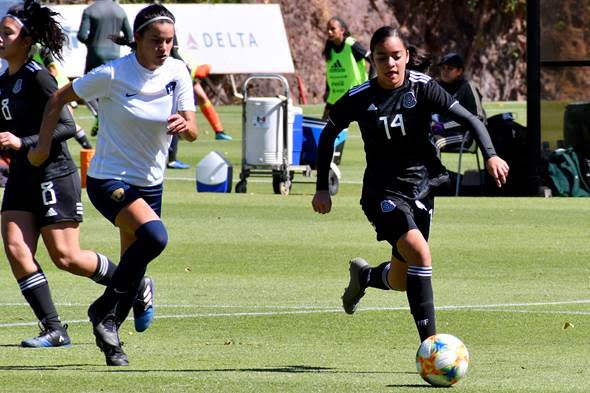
{"x": 214, "y": 173}
{"x": 312, "y": 129}
{"x": 297, "y": 138}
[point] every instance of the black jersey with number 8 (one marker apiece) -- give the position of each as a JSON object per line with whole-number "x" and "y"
{"x": 23, "y": 96}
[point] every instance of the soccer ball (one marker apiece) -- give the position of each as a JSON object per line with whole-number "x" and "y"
{"x": 442, "y": 360}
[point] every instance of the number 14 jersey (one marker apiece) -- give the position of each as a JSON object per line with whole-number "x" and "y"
{"x": 395, "y": 127}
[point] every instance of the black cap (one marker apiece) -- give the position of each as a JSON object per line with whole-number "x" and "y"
{"x": 453, "y": 59}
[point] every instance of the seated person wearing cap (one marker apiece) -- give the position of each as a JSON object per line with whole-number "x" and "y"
{"x": 447, "y": 133}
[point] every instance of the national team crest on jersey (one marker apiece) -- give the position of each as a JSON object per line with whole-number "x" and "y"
{"x": 118, "y": 195}
{"x": 387, "y": 206}
{"x": 409, "y": 100}
{"x": 170, "y": 87}
{"x": 17, "y": 86}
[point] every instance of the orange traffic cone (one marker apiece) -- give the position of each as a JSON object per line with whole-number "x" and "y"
{"x": 85, "y": 158}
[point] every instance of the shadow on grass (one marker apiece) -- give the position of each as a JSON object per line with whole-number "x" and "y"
{"x": 32, "y": 349}
{"x": 294, "y": 369}
{"x": 52, "y": 367}
{"x": 422, "y": 386}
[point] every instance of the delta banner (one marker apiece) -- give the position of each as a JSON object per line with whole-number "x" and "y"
{"x": 232, "y": 38}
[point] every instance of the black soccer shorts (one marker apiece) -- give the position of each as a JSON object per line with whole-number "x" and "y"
{"x": 395, "y": 216}
{"x": 51, "y": 201}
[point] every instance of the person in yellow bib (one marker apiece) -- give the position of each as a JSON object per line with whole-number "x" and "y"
{"x": 345, "y": 62}
{"x": 43, "y": 56}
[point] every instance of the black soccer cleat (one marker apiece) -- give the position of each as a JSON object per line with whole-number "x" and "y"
{"x": 355, "y": 290}
{"x": 114, "y": 355}
{"x": 143, "y": 306}
{"x": 104, "y": 327}
{"x": 48, "y": 338}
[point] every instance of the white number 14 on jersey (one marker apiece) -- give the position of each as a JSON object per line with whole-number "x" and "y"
{"x": 398, "y": 121}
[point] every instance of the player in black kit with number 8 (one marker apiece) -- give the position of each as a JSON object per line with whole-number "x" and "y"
{"x": 40, "y": 201}
{"x": 393, "y": 111}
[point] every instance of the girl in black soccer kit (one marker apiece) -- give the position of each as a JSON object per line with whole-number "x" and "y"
{"x": 393, "y": 111}
{"x": 42, "y": 201}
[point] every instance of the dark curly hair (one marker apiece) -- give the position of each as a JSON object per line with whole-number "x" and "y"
{"x": 40, "y": 24}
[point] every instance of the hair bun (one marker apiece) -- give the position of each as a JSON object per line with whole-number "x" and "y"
{"x": 32, "y": 7}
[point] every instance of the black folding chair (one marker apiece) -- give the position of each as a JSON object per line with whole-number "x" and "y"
{"x": 459, "y": 140}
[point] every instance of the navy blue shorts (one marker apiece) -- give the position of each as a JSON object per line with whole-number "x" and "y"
{"x": 394, "y": 217}
{"x": 110, "y": 196}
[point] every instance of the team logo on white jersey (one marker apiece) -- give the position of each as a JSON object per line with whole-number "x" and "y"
{"x": 17, "y": 86}
{"x": 118, "y": 195}
{"x": 170, "y": 87}
{"x": 409, "y": 100}
{"x": 387, "y": 206}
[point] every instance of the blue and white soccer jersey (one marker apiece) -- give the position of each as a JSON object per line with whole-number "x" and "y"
{"x": 135, "y": 104}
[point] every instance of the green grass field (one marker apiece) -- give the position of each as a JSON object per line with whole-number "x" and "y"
{"x": 248, "y": 294}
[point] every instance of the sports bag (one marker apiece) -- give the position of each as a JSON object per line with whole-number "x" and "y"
{"x": 565, "y": 177}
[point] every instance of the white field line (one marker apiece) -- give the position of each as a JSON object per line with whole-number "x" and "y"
{"x": 327, "y": 307}
{"x": 262, "y": 180}
{"x": 288, "y": 310}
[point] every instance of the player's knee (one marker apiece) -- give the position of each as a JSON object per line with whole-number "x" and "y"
{"x": 422, "y": 257}
{"x": 414, "y": 249}
{"x": 16, "y": 251}
{"x": 154, "y": 236}
{"x": 64, "y": 260}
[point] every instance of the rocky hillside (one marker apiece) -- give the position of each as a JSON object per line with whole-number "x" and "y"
{"x": 565, "y": 34}
{"x": 490, "y": 34}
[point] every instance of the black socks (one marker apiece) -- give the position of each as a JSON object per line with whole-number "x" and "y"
{"x": 421, "y": 300}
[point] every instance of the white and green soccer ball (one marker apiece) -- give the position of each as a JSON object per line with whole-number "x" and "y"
{"x": 442, "y": 360}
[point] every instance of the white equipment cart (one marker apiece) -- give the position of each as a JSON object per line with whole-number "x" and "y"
{"x": 267, "y": 137}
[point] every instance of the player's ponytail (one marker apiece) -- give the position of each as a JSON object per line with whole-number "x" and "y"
{"x": 40, "y": 24}
{"x": 420, "y": 59}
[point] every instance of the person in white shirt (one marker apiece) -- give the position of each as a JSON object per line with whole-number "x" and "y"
{"x": 145, "y": 98}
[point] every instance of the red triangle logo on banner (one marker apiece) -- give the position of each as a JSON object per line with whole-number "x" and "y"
{"x": 192, "y": 43}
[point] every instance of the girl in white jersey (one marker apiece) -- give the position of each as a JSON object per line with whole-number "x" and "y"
{"x": 145, "y": 98}
{"x": 40, "y": 202}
